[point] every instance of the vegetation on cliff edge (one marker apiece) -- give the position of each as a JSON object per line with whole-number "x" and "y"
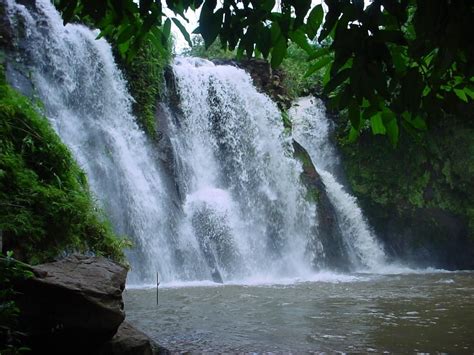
{"x": 435, "y": 174}
{"x": 145, "y": 78}
{"x": 47, "y": 208}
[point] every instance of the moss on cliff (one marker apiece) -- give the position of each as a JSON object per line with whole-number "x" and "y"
{"x": 434, "y": 174}
{"x": 46, "y": 204}
{"x": 145, "y": 76}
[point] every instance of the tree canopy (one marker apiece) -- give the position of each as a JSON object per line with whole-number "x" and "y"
{"x": 389, "y": 63}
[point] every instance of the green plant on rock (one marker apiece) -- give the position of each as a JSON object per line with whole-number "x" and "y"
{"x": 47, "y": 208}
{"x": 145, "y": 77}
{"x": 11, "y": 271}
{"x": 435, "y": 174}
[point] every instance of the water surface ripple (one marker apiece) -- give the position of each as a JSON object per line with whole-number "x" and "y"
{"x": 431, "y": 312}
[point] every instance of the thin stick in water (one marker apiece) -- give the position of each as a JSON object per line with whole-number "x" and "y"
{"x": 157, "y": 284}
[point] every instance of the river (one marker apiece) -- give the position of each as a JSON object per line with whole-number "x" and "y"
{"x": 415, "y": 312}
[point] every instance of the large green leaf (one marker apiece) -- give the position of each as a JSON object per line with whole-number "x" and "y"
{"x": 319, "y": 52}
{"x": 167, "y": 28}
{"x": 278, "y": 52}
{"x": 461, "y": 94}
{"x": 354, "y": 115}
{"x": 264, "y": 42}
{"x": 337, "y": 80}
{"x": 391, "y": 125}
{"x": 376, "y": 124}
{"x": 183, "y": 31}
{"x": 210, "y": 22}
{"x": 314, "y": 21}
{"x": 318, "y": 65}
{"x": 301, "y": 40}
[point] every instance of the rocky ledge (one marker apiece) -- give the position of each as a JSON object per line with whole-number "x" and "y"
{"x": 75, "y": 306}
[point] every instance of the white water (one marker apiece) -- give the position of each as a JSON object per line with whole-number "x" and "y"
{"x": 87, "y": 102}
{"x": 243, "y": 216}
{"x": 241, "y": 183}
{"x": 311, "y": 129}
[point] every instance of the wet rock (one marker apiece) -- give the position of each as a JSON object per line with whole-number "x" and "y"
{"x": 130, "y": 341}
{"x": 6, "y": 36}
{"x": 269, "y": 81}
{"x": 72, "y": 305}
{"x": 329, "y": 232}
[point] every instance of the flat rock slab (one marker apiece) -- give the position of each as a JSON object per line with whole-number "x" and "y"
{"x": 75, "y": 302}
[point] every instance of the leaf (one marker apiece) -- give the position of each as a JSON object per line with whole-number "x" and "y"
{"x": 353, "y": 135}
{"x": 337, "y": 80}
{"x": 278, "y": 52}
{"x": 264, "y": 42}
{"x": 144, "y": 6}
{"x": 469, "y": 92}
{"x": 167, "y": 28}
{"x": 267, "y": 5}
{"x": 300, "y": 39}
{"x": 391, "y": 125}
{"x": 301, "y": 9}
{"x": 399, "y": 61}
{"x": 125, "y": 34}
{"x": 318, "y": 65}
{"x": 123, "y": 48}
{"x": 69, "y": 11}
{"x": 314, "y": 21}
{"x": 377, "y": 125}
{"x": 210, "y": 22}
{"x": 275, "y": 32}
{"x": 354, "y": 115}
{"x": 319, "y": 52}
{"x": 331, "y": 19}
{"x": 461, "y": 94}
{"x": 183, "y": 31}
{"x": 390, "y": 36}
{"x": 417, "y": 122}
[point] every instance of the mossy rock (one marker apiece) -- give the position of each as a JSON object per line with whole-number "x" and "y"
{"x": 47, "y": 208}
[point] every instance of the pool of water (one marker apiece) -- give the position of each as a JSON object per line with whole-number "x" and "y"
{"x": 417, "y": 312}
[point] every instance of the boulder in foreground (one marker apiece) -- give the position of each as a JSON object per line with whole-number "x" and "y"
{"x": 73, "y": 305}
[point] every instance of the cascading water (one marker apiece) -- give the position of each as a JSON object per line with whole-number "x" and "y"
{"x": 244, "y": 203}
{"x": 240, "y": 211}
{"x": 311, "y": 129}
{"x": 86, "y": 101}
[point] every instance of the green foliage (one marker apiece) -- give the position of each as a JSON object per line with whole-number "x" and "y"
{"x": 406, "y": 60}
{"x": 127, "y": 23}
{"x": 46, "y": 205}
{"x": 296, "y": 66}
{"x": 145, "y": 78}
{"x": 214, "y": 51}
{"x": 400, "y": 62}
{"x": 434, "y": 174}
{"x": 11, "y": 271}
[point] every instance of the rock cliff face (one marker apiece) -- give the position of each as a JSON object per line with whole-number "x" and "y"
{"x": 268, "y": 80}
{"x": 419, "y": 197}
{"x": 75, "y": 306}
{"x": 329, "y": 229}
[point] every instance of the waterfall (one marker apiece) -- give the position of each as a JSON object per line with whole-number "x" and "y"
{"x": 243, "y": 200}
{"x": 227, "y": 203}
{"x": 86, "y": 100}
{"x": 311, "y": 128}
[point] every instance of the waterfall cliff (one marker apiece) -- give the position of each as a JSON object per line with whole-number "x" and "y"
{"x": 228, "y": 202}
